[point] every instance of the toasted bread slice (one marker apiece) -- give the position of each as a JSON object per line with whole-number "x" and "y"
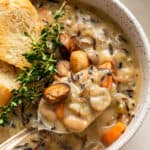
{"x": 7, "y": 82}
{"x": 17, "y": 17}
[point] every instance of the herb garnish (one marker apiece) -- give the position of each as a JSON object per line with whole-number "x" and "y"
{"x": 33, "y": 80}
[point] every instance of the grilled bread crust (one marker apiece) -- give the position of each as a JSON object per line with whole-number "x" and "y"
{"x": 16, "y": 18}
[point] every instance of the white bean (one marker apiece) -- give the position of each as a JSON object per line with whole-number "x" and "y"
{"x": 93, "y": 56}
{"x": 74, "y": 123}
{"x": 47, "y": 112}
{"x": 104, "y": 56}
{"x": 81, "y": 109}
{"x": 125, "y": 75}
{"x": 100, "y": 98}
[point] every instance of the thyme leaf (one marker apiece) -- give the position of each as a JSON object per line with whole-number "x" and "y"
{"x": 33, "y": 80}
{"x": 59, "y": 13}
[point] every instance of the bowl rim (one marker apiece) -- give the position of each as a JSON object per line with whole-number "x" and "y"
{"x": 146, "y": 106}
{"x": 124, "y": 139}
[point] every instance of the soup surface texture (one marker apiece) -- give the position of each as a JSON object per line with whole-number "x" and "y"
{"x": 98, "y": 77}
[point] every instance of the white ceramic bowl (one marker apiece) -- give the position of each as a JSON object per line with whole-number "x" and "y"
{"x": 129, "y": 24}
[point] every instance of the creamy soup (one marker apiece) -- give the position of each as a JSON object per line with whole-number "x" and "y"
{"x": 95, "y": 91}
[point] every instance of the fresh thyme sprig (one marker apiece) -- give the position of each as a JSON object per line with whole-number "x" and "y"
{"x": 33, "y": 80}
{"x": 59, "y": 13}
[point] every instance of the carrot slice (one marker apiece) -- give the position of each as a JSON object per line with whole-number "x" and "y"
{"x": 5, "y": 95}
{"x": 107, "y": 82}
{"x": 106, "y": 65}
{"x": 110, "y": 82}
{"x": 60, "y": 111}
{"x": 112, "y": 134}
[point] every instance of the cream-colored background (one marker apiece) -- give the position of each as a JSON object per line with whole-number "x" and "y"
{"x": 141, "y": 9}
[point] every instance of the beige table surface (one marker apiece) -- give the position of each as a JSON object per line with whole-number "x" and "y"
{"x": 141, "y": 9}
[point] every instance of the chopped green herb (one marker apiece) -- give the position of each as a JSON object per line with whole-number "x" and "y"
{"x": 59, "y": 13}
{"x": 33, "y": 80}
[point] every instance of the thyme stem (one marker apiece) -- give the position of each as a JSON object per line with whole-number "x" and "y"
{"x": 33, "y": 80}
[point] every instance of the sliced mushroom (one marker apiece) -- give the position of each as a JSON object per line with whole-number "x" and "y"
{"x": 75, "y": 124}
{"x": 65, "y": 48}
{"x": 65, "y": 40}
{"x": 74, "y": 44}
{"x": 56, "y": 92}
{"x": 63, "y": 67}
{"x": 69, "y": 44}
{"x": 56, "y": 77}
{"x": 93, "y": 56}
{"x": 78, "y": 60}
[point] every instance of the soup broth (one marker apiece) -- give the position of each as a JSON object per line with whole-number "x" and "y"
{"x": 96, "y": 32}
